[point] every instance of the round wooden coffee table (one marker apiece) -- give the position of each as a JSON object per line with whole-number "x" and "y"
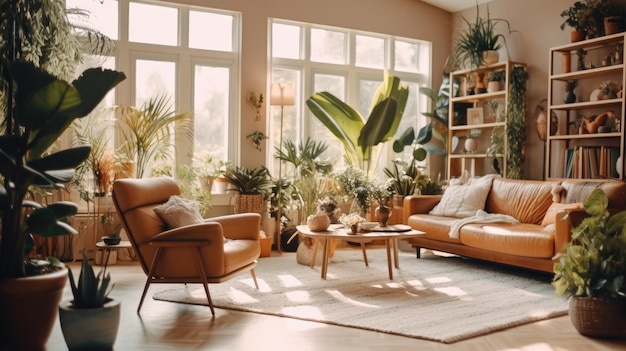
{"x": 390, "y": 235}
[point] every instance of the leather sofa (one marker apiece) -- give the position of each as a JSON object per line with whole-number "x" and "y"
{"x": 539, "y": 206}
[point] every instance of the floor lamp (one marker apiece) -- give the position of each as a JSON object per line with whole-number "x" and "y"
{"x": 281, "y": 94}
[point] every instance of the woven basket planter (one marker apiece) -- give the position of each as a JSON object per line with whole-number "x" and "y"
{"x": 601, "y": 318}
{"x": 246, "y": 203}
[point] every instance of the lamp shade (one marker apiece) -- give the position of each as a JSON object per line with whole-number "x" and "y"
{"x": 281, "y": 94}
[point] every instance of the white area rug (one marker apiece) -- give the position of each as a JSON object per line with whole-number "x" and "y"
{"x": 444, "y": 299}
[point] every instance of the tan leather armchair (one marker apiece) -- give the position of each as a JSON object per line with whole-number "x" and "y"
{"x": 209, "y": 252}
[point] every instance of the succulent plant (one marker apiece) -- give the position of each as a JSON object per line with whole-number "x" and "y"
{"x": 92, "y": 290}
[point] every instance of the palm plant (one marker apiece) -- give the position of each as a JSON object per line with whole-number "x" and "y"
{"x": 363, "y": 138}
{"x": 147, "y": 132}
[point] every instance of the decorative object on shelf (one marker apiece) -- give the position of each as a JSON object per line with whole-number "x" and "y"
{"x": 573, "y": 16}
{"x": 541, "y": 124}
{"x": 591, "y": 124}
{"x": 477, "y": 38}
{"x": 591, "y": 270}
{"x": 613, "y": 24}
{"x": 475, "y": 116}
{"x": 471, "y": 145}
{"x": 569, "y": 96}
{"x": 608, "y": 90}
{"x": 495, "y": 80}
{"x": 581, "y": 54}
{"x": 91, "y": 320}
{"x": 492, "y": 107}
{"x": 480, "y": 82}
{"x": 257, "y": 137}
{"x": 256, "y": 101}
{"x": 351, "y": 221}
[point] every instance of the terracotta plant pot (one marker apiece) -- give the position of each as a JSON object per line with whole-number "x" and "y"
{"x": 576, "y": 35}
{"x": 613, "y": 24}
{"x": 28, "y": 309}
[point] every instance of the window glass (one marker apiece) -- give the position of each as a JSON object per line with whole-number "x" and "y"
{"x": 406, "y": 56}
{"x": 211, "y": 110}
{"x": 285, "y": 41}
{"x": 335, "y": 85}
{"x": 152, "y": 24}
{"x": 370, "y": 51}
{"x": 154, "y": 78}
{"x": 367, "y": 89}
{"x": 328, "y": 46}
{"x": 203, "y": 27}
{"x": 99, "y": 15}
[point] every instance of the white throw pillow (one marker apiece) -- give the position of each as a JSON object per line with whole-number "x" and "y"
{"x": 463, "y": 200}
{"x": 178, "y": 212}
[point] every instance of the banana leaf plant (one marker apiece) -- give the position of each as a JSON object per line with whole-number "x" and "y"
{"x": 44, "y": 107}
{"x": 362, "y": 138}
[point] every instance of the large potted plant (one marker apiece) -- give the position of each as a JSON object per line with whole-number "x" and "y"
{"x": 254, "y": 186}
{"x": 478, "y": 43}
{"x": 90, "y": 320}
{"x": 44, "y": 107}
{"x": 591, "y": 270}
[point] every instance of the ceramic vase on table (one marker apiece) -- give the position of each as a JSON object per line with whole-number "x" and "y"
{"x": 354, "y": 229}
{"x": 383, "y": 213}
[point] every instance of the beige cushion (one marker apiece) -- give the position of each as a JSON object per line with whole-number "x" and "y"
{"x": 178, "y": 212}
{"x": 463, "y": 200}
{"x": 555, "y": 208}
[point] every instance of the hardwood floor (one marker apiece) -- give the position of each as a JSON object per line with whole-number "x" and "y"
{"x": 171, "y": 326}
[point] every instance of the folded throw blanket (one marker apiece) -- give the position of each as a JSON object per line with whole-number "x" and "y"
{"x": 480, "y": 217}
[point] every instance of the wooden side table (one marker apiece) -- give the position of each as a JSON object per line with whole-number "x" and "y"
{"x": 106, "y": 249}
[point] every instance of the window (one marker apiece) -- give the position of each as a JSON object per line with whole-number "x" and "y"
{"x": 350, "y": 65}
{"x": 196, "y": 71}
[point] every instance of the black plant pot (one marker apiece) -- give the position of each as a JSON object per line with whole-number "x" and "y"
{"x": 569, "y": 97}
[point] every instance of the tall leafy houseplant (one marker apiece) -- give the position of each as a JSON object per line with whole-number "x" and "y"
{"x": 147, "y": 131}
{"x": 44, "y": 108}
{"x": 362, "y": 139}
{"x": 478, "y": 37}
{"x": 516, "y": 122}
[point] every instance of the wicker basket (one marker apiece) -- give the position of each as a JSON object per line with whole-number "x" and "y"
{"x": 602, "y": 318}
{"x": 247, "y": 203}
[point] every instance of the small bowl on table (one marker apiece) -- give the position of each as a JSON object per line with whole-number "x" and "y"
{"x": 111, "y": 240}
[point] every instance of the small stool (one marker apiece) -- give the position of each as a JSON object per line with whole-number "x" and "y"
{"x": 106, "y": 249}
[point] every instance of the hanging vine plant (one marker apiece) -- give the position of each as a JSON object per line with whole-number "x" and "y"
{"x": 516, "y": 122}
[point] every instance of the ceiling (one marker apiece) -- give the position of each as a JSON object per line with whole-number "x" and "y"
{"x": 455, "y": 5}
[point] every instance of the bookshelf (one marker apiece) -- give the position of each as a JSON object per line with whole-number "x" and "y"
{"x": 589, "y": 137}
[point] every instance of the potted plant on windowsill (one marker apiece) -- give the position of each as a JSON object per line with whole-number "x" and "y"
{"x": 90, "y": 321}
{"x": 254, "y": 186}
{"x": 591, "y": 270}
{"x": 44, "y": 107}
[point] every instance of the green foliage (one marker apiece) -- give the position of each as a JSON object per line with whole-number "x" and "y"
{"x": 478, "y": 37}
{"x": 46, "y": 107}
{"x": 573, "y": 15}
{"x": 362, "y": 139}
{"x": 516, "y": 122}
{"x": 594, "y": 262}
{"x": 147, "y": 131}
{"x": 250, "y": 181}
{"x": 403, "y": 177}
{"x": 427, "y": 186}
{"x": 91, "y": 291}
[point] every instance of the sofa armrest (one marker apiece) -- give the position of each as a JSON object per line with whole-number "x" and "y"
{"x": 422, "y": 204}
{"x": 564, "y": 222}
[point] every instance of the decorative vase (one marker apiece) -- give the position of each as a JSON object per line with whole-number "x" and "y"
{"x": 569, "y": 97}
{"x": 32, "y": 304}
{"x": 383, "y": 213}
{"x": 318, "y": 222}
{"x": 90, "y": 328}
{"x": 354, "y": 229}
{"x": 491, "y": 56}
{"x": 471, "y": 145}
{"x": 594, "y": 317}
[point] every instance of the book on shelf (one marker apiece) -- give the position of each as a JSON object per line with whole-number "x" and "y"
{"x": 590, "y": 162}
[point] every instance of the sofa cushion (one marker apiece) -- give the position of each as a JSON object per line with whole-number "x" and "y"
{"x": 465, "y": 199}
{"x": 520, "y": 239}
{"x": 178, "y": 212}
{"x": 555, "y": 208}
{"x": 526, "y": 200}
{"x": 435, "y": 227}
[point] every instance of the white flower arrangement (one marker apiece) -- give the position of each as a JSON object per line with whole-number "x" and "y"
{"x": 351, "y": 219}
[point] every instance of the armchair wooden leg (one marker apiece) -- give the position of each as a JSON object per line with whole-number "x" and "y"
{"x": 254, "y": 278}
{"x": 155, "y": 261}
{"x": 205, "y": 283}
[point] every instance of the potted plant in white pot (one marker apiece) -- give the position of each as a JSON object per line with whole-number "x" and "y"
{"x": 91, "y": 320}
{"x": 44, "y": 107}
{"x": 590, "y": 271}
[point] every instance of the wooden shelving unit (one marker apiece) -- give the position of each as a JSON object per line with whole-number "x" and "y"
{"x": 573, "y": 152}
{"x": 462, "y": 125}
